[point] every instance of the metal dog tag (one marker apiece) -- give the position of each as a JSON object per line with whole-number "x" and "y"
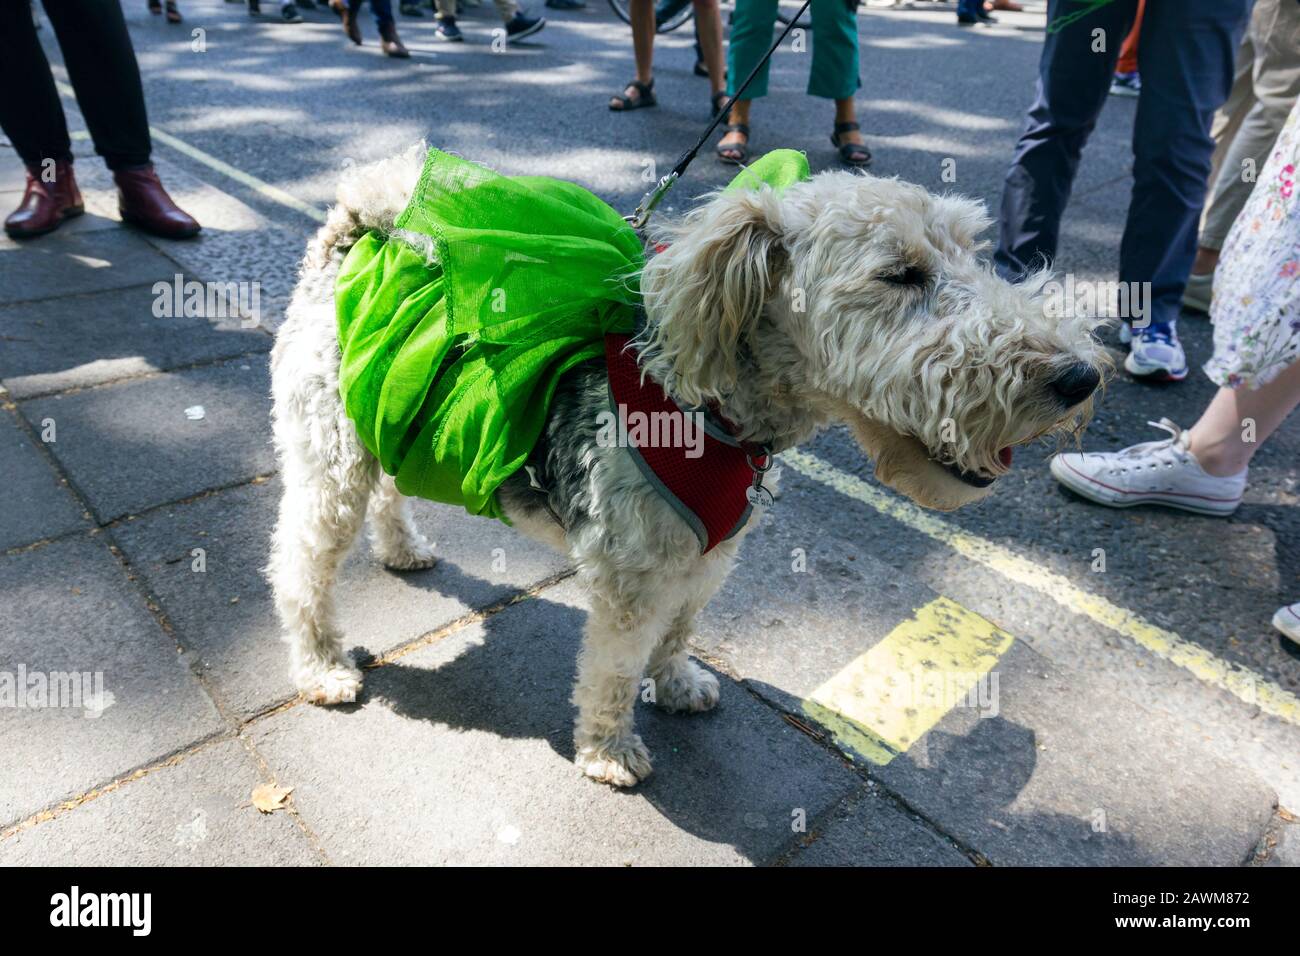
{"x": 758, "y": 496}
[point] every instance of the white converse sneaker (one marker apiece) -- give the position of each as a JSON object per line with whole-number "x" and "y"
{"x": 1287, "y": 620}
{"x": 1155, "y": 353}
{"x": 1157, "y": 472}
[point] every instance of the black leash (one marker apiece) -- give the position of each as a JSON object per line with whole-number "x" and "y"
{"x": 650, "y": 200}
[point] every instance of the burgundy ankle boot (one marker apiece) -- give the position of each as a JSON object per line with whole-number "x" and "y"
{"x": 45, "y": 204}
{"x": 142, "y": 201}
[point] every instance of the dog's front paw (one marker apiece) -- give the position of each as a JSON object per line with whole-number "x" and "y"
{"x": 328, "y": 683}
{"x": 623, "y": 763}
{"x": 686, "y": 686}
{"x": 414, "y": 554}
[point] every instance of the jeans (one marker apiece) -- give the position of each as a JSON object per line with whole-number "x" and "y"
{"x": 1186, "y": 61}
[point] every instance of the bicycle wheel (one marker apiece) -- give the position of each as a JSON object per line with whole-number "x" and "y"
{"x": 669, "y": 14}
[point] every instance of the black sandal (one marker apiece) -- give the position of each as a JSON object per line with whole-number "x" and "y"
{"x": 717, "y": 100}
{"x": 155, "y": 7}
{"x": 647, "y": 97}
{"x": 742, "y": 149}
{"x": 851, "y": 154}
{"x": 173, "y": 12}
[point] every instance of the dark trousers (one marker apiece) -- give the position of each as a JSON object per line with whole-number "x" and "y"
{"x": 1186, "y": 61}
{"x": 101, "y": 64}
{"x": 382, "y": 9}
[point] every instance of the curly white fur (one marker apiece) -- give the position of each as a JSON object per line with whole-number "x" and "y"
{"x": 790, "y": 311}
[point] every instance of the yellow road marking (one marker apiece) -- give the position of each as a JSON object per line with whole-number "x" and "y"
{"x": 889, "y": 697}
{"x": 273, "y": 193}
{"x": 1244, "y": 684}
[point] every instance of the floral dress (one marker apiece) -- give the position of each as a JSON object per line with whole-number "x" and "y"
{"x": 1256, "y": 305}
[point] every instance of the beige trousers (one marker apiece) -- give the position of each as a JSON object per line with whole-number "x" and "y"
{"x": 1245, "y": 128}
{"x": 507, "y": 8}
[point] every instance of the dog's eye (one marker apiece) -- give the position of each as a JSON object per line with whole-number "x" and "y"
{"x": 912, "y": 275}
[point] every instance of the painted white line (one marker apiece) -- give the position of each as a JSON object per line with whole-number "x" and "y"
{"x": 273, "y": 193}
{"x": 1244, "y": 684}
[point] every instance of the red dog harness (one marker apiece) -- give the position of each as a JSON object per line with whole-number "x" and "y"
{"x": 715, "y": 491}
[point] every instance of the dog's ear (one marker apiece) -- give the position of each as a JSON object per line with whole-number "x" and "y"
{"x": 706, "y": 289}
{"x": 965, "y": 220}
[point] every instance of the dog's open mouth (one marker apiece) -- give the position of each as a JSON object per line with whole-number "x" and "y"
{"x": 977, "y": 479}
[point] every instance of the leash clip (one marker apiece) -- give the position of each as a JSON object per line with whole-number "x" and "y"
{"x": 756, "y": 494}
{"x": 649, "y": 201}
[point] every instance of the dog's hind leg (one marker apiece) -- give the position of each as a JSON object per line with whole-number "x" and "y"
{"x": 328, "y": 476}
{"x": 320, "y": 515}
{"x": 393, "y": 535}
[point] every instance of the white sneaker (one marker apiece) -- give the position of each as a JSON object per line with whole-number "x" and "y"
{"x": 1287, "y": 620}
{"x": 1157, "y": 472}
{"x": 1155, "y": 353}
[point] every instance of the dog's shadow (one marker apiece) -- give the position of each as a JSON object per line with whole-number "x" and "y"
{"x": 735, "y": 775}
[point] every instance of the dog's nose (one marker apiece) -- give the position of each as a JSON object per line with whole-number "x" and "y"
{"x": 1076, "y": 382}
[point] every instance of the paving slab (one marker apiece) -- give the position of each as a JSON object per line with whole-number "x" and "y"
{"x": 130, "y": 446}
{"x": 67, "y": 608}
{"x": 62, "y": 264}
{"x": 225, "y": 616}
{"x": 462, "y": 753}
{"x": 868, "y": 829}
{"x": 38, "y": 503}
{"x": 90, "y": 339}
{"x": 196, "y": 813}
{"x": 1049, "y": 771}
{"x": 90, "y": 221}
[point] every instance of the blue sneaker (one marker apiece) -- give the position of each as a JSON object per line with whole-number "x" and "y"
{"x": 447, "y": 30}
{"x": 523, "y": 26}
{"x": 1155, "y": 353}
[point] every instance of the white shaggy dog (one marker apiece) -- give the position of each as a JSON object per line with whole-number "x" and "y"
{"x": 845, "y": 298}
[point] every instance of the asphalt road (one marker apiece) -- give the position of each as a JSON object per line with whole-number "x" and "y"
{"x": 1157, "y": 682}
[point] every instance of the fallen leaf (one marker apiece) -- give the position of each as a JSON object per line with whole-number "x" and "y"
{"x": 268, "y": 797}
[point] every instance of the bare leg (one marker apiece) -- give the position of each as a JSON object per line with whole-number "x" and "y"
{"x": 709, "y": 20}
{"x": 393, "y": 535}
{"x": 642, "y": 14}
{"x": 1217, "y": 438}
{"x": 846, "y": 111}
{"x": 1207, "y": 260}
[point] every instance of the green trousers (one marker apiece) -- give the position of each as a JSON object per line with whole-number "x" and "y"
{"x": 834, "y": 73}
